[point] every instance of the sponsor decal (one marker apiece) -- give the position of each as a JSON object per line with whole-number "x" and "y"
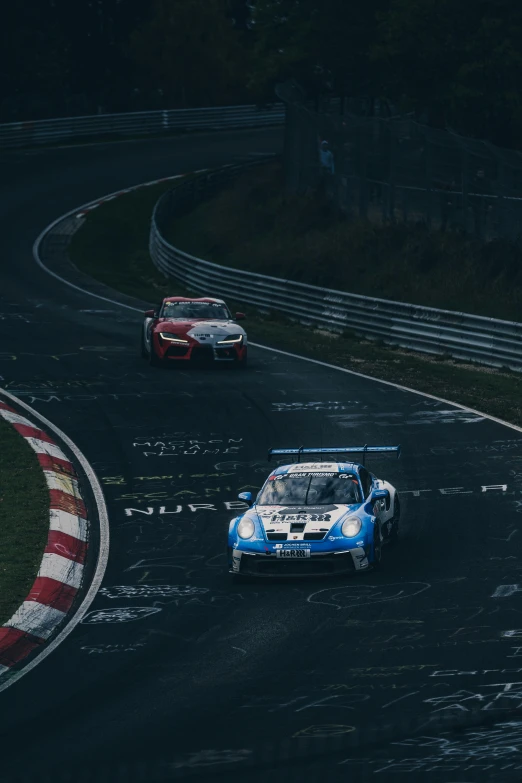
{"x": 301, "y": 518}
{"x": 309, "y": 474}
{"x": 195, "y": 303}
{"x": 360, "y": 559}
{"x": 318, "y": 466}
{"x": 308, "y": 509}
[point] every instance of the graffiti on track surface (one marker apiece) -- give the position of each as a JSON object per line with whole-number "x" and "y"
{"x": 124, "y": 614}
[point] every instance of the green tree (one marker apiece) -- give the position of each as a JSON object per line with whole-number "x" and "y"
{"x": 324, "y": 45}
{"x": 34, "y": 58}
{"x": 485, "y": 97}
{"x": 459, "y": 63}
{"x": 190, "y": 50}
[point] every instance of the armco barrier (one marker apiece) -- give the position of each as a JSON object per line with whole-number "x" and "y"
{"x": 28, "y": 134}
{"x": 474, "y": 338}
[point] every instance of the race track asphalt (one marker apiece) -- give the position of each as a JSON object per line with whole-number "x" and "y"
{"x": 176, "y": 663}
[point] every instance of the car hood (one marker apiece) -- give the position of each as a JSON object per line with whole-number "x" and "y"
{"x": 199, "y": 328}
{"x": 316, "y": 519}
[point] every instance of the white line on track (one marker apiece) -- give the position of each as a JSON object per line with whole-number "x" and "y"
{"x": 36, "y": 254}
{"x": 389, "y": 383}
{"x": 103, "y": 554}
{"x": 38, "y": 241}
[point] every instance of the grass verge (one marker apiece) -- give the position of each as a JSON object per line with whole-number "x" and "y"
{"x": 24, "y": 519}
{"x": 112, "y": 246}
{"x": 251, "y": 225}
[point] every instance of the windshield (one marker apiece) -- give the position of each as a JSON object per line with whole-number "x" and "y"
{"x": 195, "y": 310}
{"x": 310, "y": 489}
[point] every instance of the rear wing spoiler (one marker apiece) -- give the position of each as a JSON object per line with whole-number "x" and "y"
{"x": 364, "y": 450}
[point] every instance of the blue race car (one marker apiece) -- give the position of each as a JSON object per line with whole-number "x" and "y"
{"x": 315, "y": 518}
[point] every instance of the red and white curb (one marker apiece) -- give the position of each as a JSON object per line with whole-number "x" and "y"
{"x": 61, "y": 572}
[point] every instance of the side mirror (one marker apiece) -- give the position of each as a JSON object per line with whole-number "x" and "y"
{"x": 151, "y": 314}
{"x": 240, "y": 316}
{"x": 380, "y": 494}
{"x": 246, "y": 497}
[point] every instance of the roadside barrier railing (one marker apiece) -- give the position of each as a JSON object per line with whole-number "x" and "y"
{"x": 475, "y": 338}
{"x": 29, "y": 134}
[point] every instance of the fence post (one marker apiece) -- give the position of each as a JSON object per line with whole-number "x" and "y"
{"x": 500, "y": 204}
{"x": 393, "y": 160}
{"x": 362, "y": 156}
{"x": 465, "y": 190}
{"x": 499, "y": 222}
{"x": 292, "y": 160}
{"x": 428, "y": 174}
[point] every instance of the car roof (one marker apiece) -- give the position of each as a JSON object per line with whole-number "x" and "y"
{"x": 317, "y": 467}
{"x": 192, "y": 299}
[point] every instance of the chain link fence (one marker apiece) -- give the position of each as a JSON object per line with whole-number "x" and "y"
{"x": 396, "y": 170}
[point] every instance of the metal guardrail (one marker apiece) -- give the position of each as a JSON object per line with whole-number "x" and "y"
{"x": 28, "y": 134}
{"x": 474, "y": 338}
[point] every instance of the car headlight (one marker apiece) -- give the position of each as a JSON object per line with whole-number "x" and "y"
{"x": 173, "y": 338}
{"x": 351, "y": 527}
{"x": 234, "y": 338}
{"x": 246, "y": 528}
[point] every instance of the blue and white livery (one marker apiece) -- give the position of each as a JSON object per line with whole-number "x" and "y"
{"x": 315, "y": 518}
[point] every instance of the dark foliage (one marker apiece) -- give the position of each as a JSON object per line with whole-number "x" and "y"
{"x": 456, "y": 64}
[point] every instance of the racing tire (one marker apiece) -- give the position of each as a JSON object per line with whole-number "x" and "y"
{"x": 143, "y": 349}
{"x": 394, "y": 532}
{"x": 377, "y": 548}
{"x": 242, "y": 363}
{"x": 154, "y": 360}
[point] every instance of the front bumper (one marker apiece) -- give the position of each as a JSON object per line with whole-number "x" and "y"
{"x": 318, "y": 564}
{"x": 198, "y": 352}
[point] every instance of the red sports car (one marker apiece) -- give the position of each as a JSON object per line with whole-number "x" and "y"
{"x": 185, "y": 329}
